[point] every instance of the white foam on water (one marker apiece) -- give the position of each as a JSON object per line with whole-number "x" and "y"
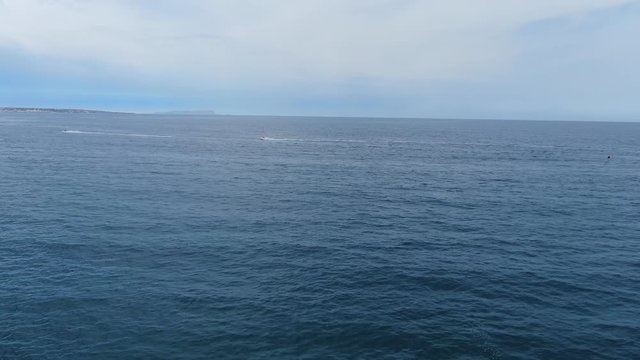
{"x": 266, "y": 138}
{"x": 79, "y": 132}
{"x": 112, "y": 134}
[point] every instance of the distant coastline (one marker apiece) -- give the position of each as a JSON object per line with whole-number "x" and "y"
{"x": 54, "y": 110}
{"x": 7, "y": 109}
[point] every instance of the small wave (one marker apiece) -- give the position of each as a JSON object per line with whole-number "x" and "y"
{"x": 112, "y": 134}
{"x": 266, "y": 138}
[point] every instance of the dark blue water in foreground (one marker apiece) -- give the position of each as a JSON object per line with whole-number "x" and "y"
{"x": 191, "y": 238}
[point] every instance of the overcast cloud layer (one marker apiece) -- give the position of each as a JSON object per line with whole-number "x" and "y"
{"x": 468, "y": 58}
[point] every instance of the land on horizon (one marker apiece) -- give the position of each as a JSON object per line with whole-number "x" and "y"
{"x": 56, "y": 110}
{"x": 92, "y": 111}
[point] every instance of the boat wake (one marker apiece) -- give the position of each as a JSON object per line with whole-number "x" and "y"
{"x": 265, "y": 138}
{"x": 113, "y": 134}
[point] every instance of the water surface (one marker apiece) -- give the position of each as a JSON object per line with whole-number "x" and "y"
{"x": 139, "y": 236}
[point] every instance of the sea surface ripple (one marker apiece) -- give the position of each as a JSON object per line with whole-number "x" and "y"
{"x": 187, "y": 237}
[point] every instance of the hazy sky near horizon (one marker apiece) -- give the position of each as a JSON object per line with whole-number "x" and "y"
{"x": 564, "y": 59}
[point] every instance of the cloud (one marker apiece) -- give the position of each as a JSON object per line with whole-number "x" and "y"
{"x": 282, "y": 40}
{"x": 454, "y": 58}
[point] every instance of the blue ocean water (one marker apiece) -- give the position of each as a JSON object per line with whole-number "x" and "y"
{"x": 186, "y": 237}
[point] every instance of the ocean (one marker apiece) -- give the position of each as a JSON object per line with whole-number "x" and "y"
{"x": 235, "y": 237}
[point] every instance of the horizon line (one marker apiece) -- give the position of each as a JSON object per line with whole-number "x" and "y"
{"x": 35, "y": 109}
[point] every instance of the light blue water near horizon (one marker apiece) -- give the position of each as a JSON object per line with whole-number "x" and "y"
{"x": 187, "y": 237}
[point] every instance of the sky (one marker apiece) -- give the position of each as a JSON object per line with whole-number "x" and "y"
{"x": 525, "y": 59}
